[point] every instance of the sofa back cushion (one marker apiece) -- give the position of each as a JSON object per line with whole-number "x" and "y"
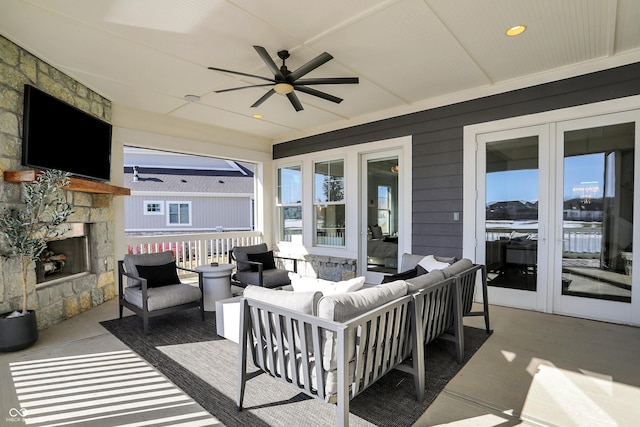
{"x": 424, "y": 281}
{"x": 410, "y": 261}
{"x": 302, "y": 284}
{"x": 457, "y": 267}
{"x": 346, "y": 306}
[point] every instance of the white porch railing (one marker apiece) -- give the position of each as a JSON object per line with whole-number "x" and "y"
{"x": 192, "y": 250}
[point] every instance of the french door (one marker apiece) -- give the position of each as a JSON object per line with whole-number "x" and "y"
{"x": 555, "y": 216}
{"x": 381, "y": 221}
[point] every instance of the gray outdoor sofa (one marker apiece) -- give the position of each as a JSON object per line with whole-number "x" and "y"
{"x": 343, "y": 343}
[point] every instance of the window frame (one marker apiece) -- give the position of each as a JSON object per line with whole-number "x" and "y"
{"x": 318, "y": 204}
{"x": 146, "y": 203}
{"x": 280, "y": 206}
{"x": 176, "y": 202}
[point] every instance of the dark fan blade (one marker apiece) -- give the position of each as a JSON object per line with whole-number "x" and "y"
{"x": 242, "y": 87}
{"x": 241, "y": 74}
{"x": 309, "y": 66}
{"x": 319, "y": 94}
{"x": 263, "y": 98}
{"x": 328, "y": 81}
{"x": 267, "y": 60}
{"x": 295, "y": 101}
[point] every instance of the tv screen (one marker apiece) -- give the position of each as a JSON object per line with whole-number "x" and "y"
{"x": 57, "y": 135}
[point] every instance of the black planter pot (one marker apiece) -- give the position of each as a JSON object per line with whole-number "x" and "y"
{"x": 17, "y": 333}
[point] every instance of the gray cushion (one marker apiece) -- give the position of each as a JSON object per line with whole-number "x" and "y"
{"x": 409, "y": 261}
{"x": 163, "y": 297}
{"x": 270, "y": 278}
{"x": 304, "y": 302}
{"x": 240, "y": 253}
{"x": 131, "y": 260}
{"x": 346, "y": 306}
{"x": 425, "y": 280}
{"x": 457, "y": 267}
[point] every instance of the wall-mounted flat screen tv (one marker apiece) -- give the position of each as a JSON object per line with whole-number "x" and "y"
{"x": 57, "y": 135}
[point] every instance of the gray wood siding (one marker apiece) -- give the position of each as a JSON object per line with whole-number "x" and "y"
{"x": 437, "y": 144}
{"x": 207, "y": 213}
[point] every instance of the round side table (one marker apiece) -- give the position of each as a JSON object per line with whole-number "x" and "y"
{"x": 217, "y": 284}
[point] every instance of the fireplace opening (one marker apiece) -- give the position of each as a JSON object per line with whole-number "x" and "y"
{"x": 65, "y": 256}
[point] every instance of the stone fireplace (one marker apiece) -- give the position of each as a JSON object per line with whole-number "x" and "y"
{"x": 66, "y": 256}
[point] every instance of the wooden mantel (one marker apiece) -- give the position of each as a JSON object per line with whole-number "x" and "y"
{"x": 76, "y": 184}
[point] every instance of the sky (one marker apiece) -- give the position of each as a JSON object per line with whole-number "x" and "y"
{"x": 584, "y": 175}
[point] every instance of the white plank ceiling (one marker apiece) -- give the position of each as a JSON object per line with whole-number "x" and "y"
{"x": 408, "y": 54}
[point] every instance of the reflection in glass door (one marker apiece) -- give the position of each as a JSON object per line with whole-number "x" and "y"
{"x": 513, "y": 205}
{"x": 382, "y": 215}
{"x": 597, "y": 220}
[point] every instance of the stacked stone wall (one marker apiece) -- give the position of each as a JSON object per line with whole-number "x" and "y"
{"x": 59, "y": 300}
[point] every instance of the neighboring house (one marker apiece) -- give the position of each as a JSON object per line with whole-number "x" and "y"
{"x": 172, "y": 193}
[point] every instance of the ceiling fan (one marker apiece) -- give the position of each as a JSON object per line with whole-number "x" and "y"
{"x": 286, "y": 82}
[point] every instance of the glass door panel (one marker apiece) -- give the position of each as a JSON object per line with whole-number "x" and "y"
{"x": 511, "y": 237}
{"x": 597, "y": 220}
{"x": 382, "y": 214}
{"x": 512, "y": 210}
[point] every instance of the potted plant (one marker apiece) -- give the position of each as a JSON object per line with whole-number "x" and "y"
{"x": 26, "y": 229}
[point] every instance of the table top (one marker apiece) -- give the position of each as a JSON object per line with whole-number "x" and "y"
{"x": 219, "y": 267}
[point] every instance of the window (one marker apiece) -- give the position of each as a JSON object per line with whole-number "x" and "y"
{"x": 179, "y": 213}
{"x": 289, "y": 204}
{"x": 329, "y": 203}
{"x": 384, "y": 208}
{"x": 153, "y": 207}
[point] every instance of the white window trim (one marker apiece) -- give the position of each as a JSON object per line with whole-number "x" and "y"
{"x": 177, "y": 202}
{"x": 351, "y": 155}
{"x": 146, "y": 203}
{"x": 279, "y": 205}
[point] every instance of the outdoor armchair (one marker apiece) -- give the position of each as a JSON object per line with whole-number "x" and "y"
{"x": 256, "y": 265}
{"x": 152, "y": 286}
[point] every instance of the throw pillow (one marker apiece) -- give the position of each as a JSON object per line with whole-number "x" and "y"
{"x": 159, "y": 275}
{"x": 431, "y": 263}
{"x": 266, "y": 258}
{"x": 376, "y": 232}
{"x": 349, "y": 285}
{"x": 409, "y": 274}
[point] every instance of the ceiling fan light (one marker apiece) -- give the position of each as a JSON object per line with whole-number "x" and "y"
{"x": 283, "y": 88}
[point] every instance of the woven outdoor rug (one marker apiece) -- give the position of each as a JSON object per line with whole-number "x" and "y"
{"x": 204, "y": 365}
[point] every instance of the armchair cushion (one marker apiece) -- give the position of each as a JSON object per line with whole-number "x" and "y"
{"x": 164, "y": 296}
{"x": 159, "y": 275}
{"x": 132, "y": 261}
{"x": 241, "y": 254}
{"x": 266, "y": 258}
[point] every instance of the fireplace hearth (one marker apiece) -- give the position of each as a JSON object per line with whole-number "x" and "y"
{"x": 65, "y": 256}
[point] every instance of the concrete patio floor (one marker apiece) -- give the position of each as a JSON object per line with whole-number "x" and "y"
{"x": 535, "y": 370}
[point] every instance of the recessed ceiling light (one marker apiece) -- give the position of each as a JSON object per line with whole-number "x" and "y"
{"x": 516, "y": 30}
{"x": 257, "y": 116}
{"x": 192, "y": 98}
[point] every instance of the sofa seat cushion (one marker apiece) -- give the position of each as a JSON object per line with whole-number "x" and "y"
{"x": 164, "y": 296}
{"x": 270, "y": 278}
{"x": 327, "y": 287}
{"x": 346, "y": 306}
